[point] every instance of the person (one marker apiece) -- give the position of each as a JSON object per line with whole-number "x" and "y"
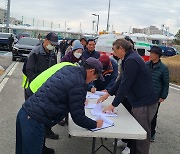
{"x": 65, "y": 91}
{"x": 41, "y": 58}
{"x": 110, "y": 73}
{"x": 90, "y": 51}
{"x": 160, "y": 77}
{"x": 74, "y": 56}
{"x": 11, "y": 41}
{"x": 83, "y": 41}
{"x": 69, "y": 47}
{"x": 135, "y": 83}
{"x": 62, "y": 47}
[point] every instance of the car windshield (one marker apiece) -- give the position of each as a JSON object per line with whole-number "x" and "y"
{"x": 5, "y": 35}
{"x": 28, "y": 41}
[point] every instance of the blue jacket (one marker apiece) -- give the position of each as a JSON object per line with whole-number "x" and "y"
{"x": 86, "y": 54}
{"x": 63, "y": 92}
{"x": 160, "y": 77}
{"x": 135, "y": 82}
{"x": 109, "y": 75}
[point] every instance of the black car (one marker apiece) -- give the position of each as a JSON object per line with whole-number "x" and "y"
{"x": 23, "y": 47}
{"x": 4, "y": 40}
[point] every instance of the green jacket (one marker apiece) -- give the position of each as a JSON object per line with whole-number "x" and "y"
{"x": 160, "y": 77}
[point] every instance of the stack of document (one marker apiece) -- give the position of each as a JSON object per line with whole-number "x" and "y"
{"x": 97, "y": 110}
{"x": 95, "y": 95}
{"x": 106, "y": 122}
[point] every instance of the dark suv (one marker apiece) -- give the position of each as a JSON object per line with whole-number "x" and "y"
{"x": 4, "y": 40}
{"x": 23, "y": 47}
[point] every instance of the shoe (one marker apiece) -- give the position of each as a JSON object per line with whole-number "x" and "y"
{"x": 47, "y": 150}
{"x": 121, "y": 144}
{"x": 126, "y": 151}
{"x": 152, "y": 138}
{"x": 50, "y": 134}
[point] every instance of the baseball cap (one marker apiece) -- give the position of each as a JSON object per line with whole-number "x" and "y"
{"x": 97, "y": 65}
{"x": 105, "y": 60}
{"x": 53, "y": 38}
{"x": 156, "y": 49}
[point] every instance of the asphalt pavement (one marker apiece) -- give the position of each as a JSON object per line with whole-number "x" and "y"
{"x": 11, "y": 98}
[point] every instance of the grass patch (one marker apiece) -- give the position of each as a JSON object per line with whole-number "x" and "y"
{"x": 173, "y": 64}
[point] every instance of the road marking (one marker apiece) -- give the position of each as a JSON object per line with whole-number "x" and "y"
{"x": 12, "y": 70}
{"x": 2, "y": 84}
{"x": 175, "y": 88}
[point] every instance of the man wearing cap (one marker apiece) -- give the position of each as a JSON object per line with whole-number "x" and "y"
{"x": 90, "y": 51}
{"x": 64, "y": 92}
{"x": 110, "y": 73}
{"x": 160, "y": 77}
{"x": 41, "y": 58}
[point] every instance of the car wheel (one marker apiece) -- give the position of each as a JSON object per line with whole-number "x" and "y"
{"x": 13, "y": 58}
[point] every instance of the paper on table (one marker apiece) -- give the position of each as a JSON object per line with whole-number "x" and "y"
{"x": 100, "y": 93}
{"x": 90, "y": 106}
{"x": 99, "y": 111}
{"x": 92, "y": 96}
{"x": 106, "y": 122}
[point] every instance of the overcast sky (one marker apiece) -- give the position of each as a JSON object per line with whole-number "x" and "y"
{"x": 124, "y": 14}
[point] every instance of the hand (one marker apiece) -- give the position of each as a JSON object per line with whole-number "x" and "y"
{"x": 86, "y": 102}
{"x": 161, "y": 100}
{"x": 99, "y": 123}
{"x": 109, "y": 109}
{"x": 93, "y": 89}
{"x": 103, "y": 98}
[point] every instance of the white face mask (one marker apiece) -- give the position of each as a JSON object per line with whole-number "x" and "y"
{"x": 77, "y": 55}
{"x": 50, "y": 47}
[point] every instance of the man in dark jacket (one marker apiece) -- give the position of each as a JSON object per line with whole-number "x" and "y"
{"x": 63, "y": 92}
{"x": 160, "y": 77}
{"x": 110, "y": 73}
{"x": 41, "y": 58}
{"x": 135, "y": 83}
{"x": 62, "y": 47}
{"x": 90, "y": 50}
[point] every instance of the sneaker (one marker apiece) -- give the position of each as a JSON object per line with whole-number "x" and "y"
{"x": 50, "y": 134}
{"x": 152, "y": 138}
{"x": 121, "y": 144}
{"x": 47, "y": 150}
{"x": 126, "y": 151}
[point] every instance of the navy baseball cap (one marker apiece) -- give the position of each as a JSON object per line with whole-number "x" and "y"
{"x": 53, "y": 38}
{"x": 97, "y": 65}
{"x": 156, "y": 49}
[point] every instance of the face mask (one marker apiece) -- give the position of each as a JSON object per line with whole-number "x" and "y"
{"x": 77, "y": 55}
{"x": 50, "y": 47}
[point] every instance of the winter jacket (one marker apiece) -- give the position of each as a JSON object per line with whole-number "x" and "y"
{"x": 135, "y": 82}
{"x": 86, "y": 54}
{"x": 69, "y": 57}
{"x": 160, "y": 77}
{"x": 63, "y": 92}
{"x": 38, "y": 61}
{"x": 109, "y": 75}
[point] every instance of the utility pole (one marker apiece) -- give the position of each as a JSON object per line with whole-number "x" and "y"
{"x": 8, "y": 16}
{"x": 108, "y": 16}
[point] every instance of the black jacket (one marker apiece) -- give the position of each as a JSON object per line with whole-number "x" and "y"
{"x": 86, "y": 54}
{"x": 64, "y": 92}
{"x": 160, "y": 77}
{"x": 135, "y": 82}
{"x": 38, "y": 61}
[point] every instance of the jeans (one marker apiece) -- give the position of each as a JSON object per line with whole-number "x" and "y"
{"x": 29, "y": 134}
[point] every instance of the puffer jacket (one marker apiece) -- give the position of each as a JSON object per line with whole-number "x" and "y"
{"x": 160, "y": 77}
{"x": 63, "y": 92}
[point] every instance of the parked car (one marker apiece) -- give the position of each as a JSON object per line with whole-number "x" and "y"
{"x": 23, "y": 47}
{"x": 20, "y": 35}
{"x": 168, "y": 51}
{"x": 4, "y": 40}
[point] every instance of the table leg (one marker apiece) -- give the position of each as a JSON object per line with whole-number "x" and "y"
{"x": 93, "y": 145}
{"x": 115, "y": 145}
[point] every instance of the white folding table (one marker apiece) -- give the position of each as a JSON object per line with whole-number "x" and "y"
{"x": 125, "y": 127}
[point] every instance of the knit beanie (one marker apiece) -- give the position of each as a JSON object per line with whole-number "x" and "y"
{"x": 77, "y": 45}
